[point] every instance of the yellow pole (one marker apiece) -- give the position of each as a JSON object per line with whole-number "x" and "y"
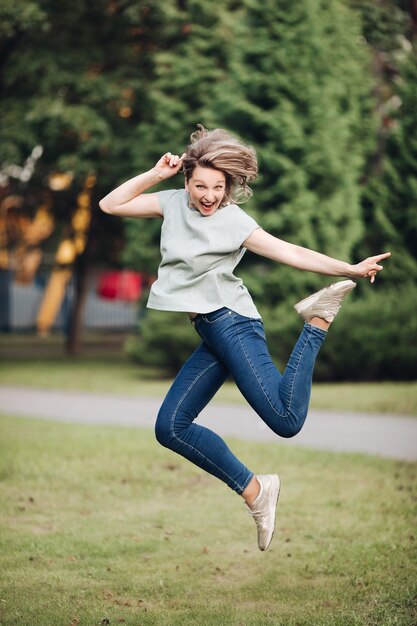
{"x": 66, "y": 254}
{"x": 52, "y": 299}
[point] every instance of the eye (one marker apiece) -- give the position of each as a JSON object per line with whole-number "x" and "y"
{"x": 200, "y": 186}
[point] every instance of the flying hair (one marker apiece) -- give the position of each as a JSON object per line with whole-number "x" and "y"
{"x": 217, "y": 149}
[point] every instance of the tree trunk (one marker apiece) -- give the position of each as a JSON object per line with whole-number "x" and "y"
{"x": 413, "y": 11}
{"x": 81, "y": 274}
{"x": 5, "y": 289}
{"x": 74, "y": 331}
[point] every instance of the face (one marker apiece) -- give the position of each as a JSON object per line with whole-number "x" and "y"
{"x": 206, "y": 188}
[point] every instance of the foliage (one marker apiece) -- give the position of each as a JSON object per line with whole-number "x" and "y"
{"x": 165, "y": 340}
{"x": 384, "y": 24}
{"x": 298, "y": 89}
{"x": 283, "y": 91}
{"x": 390, "y": 213}
{"x": 190, "y": 65}
{"x": 74, "y": 79}
{"x": 389, "y": 194}
{"x": 308, "y": 118}
{"x": 373, "y": 337}
{"x": 326, "y": 91}
{"x": 400, "y": 172}
{"x": 77, "y": 94}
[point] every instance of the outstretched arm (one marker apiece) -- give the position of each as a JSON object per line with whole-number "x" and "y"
{"x": 129, "y": 199}
{"x": 267, "y": 245}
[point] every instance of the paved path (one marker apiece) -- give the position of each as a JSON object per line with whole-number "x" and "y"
{"x": 385, "y": 435}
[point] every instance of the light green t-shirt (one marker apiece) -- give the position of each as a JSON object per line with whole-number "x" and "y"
{"x": 199, "y": 254}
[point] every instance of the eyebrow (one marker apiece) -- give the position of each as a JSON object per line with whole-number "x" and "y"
{"x": 219, "y": 182}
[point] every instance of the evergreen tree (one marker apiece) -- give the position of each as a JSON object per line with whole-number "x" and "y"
{"x": 388, "y": 199}
{"x": 299, "y": 92}
{"x": 106, "y": 87}
{"x": 187, "y": 70}
{"x": 401, "y": 166}
{"x": 291, "y": 79}
{"x": 188, "y": 67}
{"x": 74, "y": 78}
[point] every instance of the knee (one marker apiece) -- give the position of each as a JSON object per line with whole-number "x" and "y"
{"x": 288, "y": 434}
{"x": 292, "y": 428}
{"x": 163, "y": 431}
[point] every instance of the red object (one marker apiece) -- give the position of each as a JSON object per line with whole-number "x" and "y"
{"x": 124, "y": 285}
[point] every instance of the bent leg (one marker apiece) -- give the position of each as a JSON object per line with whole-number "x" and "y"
{"x": 280, "y": 400}
{"x": 197, "y": 382}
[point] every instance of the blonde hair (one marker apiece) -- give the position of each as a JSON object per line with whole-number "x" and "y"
{"x": 217, "y": 149}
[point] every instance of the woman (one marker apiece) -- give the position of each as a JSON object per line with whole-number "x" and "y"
{"x": 204, "y": 235}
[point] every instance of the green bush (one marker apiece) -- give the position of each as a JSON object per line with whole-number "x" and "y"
{"x": 373, "y": 338}
{"x": 165, "y": 340}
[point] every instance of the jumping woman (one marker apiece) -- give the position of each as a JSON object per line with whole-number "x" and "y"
{"x": 203, "y": 237}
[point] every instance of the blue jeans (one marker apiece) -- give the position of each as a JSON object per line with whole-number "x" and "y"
{"x": 233, "y": 345}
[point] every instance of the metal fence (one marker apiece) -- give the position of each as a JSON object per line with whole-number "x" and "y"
{"x": 19, "y": 306}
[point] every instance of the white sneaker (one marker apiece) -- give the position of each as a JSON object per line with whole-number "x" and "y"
{"x": 264, "y": 507}
{"x": 326, "y": 302}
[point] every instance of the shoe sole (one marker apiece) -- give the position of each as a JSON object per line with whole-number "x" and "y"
{"x": 344, "y": 286}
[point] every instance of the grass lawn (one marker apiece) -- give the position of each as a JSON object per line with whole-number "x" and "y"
{"x": 100, "y": 525}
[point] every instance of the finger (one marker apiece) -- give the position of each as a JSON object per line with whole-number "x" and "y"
{"x": 372, "y": 279}
{"x": 165, "y": 158}
{"x": 379, "y": 257}
{"x": 174, "y": 160}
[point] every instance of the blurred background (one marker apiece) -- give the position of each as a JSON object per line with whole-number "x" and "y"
{"x": 93, "y": 93}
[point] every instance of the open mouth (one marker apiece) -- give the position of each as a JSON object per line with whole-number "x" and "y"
{"x": 208, "y": 206}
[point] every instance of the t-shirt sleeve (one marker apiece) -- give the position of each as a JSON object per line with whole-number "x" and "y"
{"x": 242, "y": 225}
{"x": 166, "y": 198}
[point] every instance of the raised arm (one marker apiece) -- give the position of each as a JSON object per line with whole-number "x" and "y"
{"x": 129, "y": 199}
{"x": 267, "y": 245}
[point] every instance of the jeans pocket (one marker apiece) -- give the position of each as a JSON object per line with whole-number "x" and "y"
{"x": 258, "y": 328}
{"x": 216, "y": 316}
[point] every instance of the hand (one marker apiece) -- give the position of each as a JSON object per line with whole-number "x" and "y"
{"x": 369, "y": 268}
{"x": 169, "y": 164}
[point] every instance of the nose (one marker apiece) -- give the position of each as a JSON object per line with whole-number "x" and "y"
{"x": 209, "y": 196}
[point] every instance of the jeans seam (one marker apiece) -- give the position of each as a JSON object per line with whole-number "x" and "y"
{"x": 297, "y": 365}
{"x": 174, "y": 435}
{"x": 218, "y": 319}
{"x": 257, "y": 379}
